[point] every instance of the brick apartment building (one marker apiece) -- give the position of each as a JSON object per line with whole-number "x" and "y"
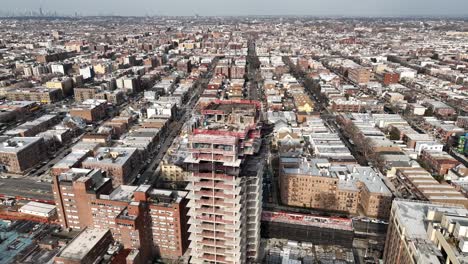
{"x": 45, "y": 58}
{"x": 462, "y": 121}
{"x": 359, "y": 75}
{"x": 390, "y": 78}
{"x": 64, "y": 84}
{"x": 120, "y": 164}
{"x": 439, "y": 162}
{"x": 184, "y": 65}
{"x": 90, "y": 110}
{"x": 152, "y": 221}
{"x": 116, "y": 97}
{"x": 348, "y": 106}
{"x": 82, "y": 94}
{"x": 440, "y": 109}
{"x": 21, "y": 153}
{"x": 237, "y": 72}
{"x": 32, "y": 128}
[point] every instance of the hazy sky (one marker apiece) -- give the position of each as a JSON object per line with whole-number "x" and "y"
{"x": 244, "y": 7}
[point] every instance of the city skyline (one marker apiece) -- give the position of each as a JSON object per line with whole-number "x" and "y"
{"x": 301, "y": 132}
{"x": 365, "y": 8}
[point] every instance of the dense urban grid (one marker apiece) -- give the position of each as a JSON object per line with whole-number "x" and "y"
{"x": 233, "y": 140}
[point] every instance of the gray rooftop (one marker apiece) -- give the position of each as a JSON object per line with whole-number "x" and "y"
{"x": 347, "y": 174}
{"x": 83, "y": 244}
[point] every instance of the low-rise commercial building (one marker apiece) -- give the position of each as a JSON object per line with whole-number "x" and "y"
{"x": 423, "y": 186}
{"x": 87, "y": 247}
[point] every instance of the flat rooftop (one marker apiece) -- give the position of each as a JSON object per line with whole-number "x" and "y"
{"x": 347, "y": 174}
{"x": 118, "y": 156}
{"x": 83, "y": 243}
{"x": 412, "y": 215}
{"x": 17, "y": 144}
{"x": 166, "y": 197}
{"x": 121, "y": 193}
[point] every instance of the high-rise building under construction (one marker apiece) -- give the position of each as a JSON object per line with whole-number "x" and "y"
{"x": 226, "y": 160}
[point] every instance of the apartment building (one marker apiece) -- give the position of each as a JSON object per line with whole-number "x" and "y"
{"x": 152, "y": 221}
{"x": 237, "y": 71}
{"x": 90, "y": 110}
{"x": 34, "y": 127}
{"x": 439, "y": 162}
{"x": 64, "y": 84}
{"x": 394, "y": 97}
{"x": 16, "y": 110}
{"x": 421, "y": 233}
{"x": 184, "y": 65}
{"x": 353, "y": 106}
{"x": 359, "y": 75}
{"x": 115, "y": 97}
{"x": 440, "y": 108}
{"x": 85, "y": 93}
{"x": 225, "y": 184}
{"x": 462, "y": 121}
{"x": 21, "y": 153}
{"x": 120, "y": 164}
{"x": 172, "y": 172}
{"x": 336, "y": 187}
{"x": 38, "y": 94}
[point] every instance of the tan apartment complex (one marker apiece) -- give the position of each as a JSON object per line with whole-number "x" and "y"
{"x": 336, "y": 187}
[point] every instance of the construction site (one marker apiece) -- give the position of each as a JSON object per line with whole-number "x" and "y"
{"x": 278, "y": 251}
{"x": 225, "y": 183}
{"x": 308, "y": 228}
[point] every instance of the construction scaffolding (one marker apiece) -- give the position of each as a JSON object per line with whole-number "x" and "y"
{"x": 307, "y": 228}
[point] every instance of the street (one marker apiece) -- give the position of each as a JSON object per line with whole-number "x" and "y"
{"x": 150, "y": 175}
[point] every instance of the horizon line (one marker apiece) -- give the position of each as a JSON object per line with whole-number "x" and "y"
{"x": 465, "y": 16}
